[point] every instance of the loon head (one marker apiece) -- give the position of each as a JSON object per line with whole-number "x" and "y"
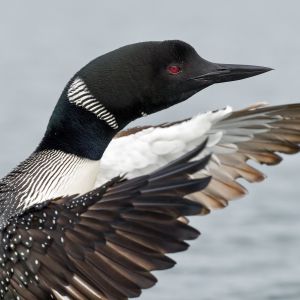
{"x": 147, "y": 77}
{"x": 136, "y": 80}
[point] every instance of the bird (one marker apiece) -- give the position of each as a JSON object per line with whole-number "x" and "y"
{"x": 69, "y": 233}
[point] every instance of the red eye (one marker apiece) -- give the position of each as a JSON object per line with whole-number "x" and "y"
{"x": 174, "y": 69}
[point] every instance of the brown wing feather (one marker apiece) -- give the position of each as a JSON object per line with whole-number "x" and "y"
{"x": 282, "y": 136}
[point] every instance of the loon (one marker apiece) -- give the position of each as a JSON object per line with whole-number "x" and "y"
{"x": 62, "y": 238}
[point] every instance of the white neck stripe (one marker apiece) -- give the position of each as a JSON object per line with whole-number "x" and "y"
{"x": 80, "y": 95}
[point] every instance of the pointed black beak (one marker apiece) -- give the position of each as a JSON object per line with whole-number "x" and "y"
{"x": 216, "y": 73}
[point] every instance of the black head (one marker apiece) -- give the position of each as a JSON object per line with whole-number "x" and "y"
{"x": 144, "y": 78}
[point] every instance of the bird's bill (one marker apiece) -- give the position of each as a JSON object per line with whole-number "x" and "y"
{"x": 217, "y": 73}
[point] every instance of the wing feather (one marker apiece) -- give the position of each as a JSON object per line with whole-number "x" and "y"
{"x": 104, "y": 244}
{"x": 258, "y": 133}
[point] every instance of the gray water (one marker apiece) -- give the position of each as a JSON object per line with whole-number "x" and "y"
{"x": 251, "y": 250}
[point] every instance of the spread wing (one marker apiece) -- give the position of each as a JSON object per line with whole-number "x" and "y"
{"x": 102, "y": 245}
{"x": 258, "y": 133}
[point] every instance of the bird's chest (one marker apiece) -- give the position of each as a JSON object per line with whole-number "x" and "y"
{"x": 78, "y": 179}
{"x": 49, "y": 175}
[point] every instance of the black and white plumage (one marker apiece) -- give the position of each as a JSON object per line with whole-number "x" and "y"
{"x": 258, "y": 133}
{"x": 103, "y": 244}
{"x": 45, "y": 175}
{"x": 79, "y": 94}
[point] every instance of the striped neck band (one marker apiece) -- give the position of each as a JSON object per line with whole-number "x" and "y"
{"x": 80, "y": 95}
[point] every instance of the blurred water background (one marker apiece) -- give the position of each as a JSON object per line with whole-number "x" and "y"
{"x": 251, "y": 250}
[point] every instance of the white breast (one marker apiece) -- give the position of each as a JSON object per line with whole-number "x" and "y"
{"x": 47, "y": 175}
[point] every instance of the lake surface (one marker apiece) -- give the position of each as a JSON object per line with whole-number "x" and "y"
{"x": 250, "y": 250}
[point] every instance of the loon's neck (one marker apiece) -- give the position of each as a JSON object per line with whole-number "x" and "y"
{"x": 66, "y": 162}
{"x": 74, "y": 130}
